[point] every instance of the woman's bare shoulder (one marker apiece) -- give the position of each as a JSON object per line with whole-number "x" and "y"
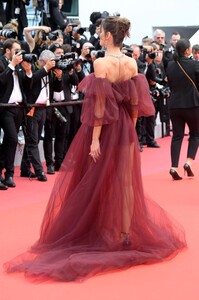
{"x": 100, "y": 67}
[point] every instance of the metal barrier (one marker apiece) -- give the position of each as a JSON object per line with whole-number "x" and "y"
{"x": 64, "y": 103}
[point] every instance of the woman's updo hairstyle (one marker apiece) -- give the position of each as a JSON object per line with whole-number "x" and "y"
{"x": 181, "y": 46}
{"x": 118, "y": 27}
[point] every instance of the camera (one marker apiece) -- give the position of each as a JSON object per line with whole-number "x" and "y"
{"x": 165, "y": 92}
{"x": 64, "y": 65}
{"x": 72, "y": 24}
{"x": 69, "y": 55}
{"x": 51, "y": 35}
{"x": 65, "y": 61}
{"x": 145, "y": 51}
{"x": 155, "y": 94}
{"x": 80, "y": 30}
{"x": 8, "y": 33}
{"x": 59, "y": 116}
{"x": 159, "y": 91}
{"x": 127, "y": 51}
{"x": 30, "y": 58}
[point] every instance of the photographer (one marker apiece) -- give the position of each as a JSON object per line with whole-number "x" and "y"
{"x": 44, "y": 82}
{"x": 17, "y": 10}
{"x": 161, "y": 92}
{"x": 148, "y": 53}
{"x": 85, "y": 58}
{"x": 94, "y": 39}
{"x": 94, "y": 17}
{"x": 78, "y": 39}
{"x": 57, "y": 123}
{"x": 51, "y": 14}
{"x": 15, "y": 77}
{"x": 9, "y": 30}
{"x": 42, "y": 39}
{"x": 35, "y": 43}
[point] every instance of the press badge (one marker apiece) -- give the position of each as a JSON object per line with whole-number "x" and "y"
{"x": 17, "y": 11}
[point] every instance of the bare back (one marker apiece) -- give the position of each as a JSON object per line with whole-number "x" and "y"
{"x": 115, "y": 68}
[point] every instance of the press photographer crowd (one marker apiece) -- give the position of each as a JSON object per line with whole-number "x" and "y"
{"x": 40, "y": 69}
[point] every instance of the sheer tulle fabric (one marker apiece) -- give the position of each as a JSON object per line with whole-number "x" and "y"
{"x": 92, "y": 203}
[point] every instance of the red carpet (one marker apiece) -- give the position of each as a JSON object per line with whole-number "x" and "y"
{"x": 21, "y": 211}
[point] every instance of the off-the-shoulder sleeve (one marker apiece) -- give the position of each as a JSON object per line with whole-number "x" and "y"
{"x": 145, "y": 104}
{"x": 99, "y": 105}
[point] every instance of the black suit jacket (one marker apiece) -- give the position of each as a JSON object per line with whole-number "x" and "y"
{"x": 7, "y": 82}
{"x": 67, "y": 82}
{"x": 183, "y": 92}
{"x": 54, "y": 84}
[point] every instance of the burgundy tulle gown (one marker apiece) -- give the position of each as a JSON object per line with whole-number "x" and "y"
{"x": 91, "y": 204}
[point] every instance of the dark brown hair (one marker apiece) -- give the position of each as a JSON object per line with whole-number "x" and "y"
{"x": 118, "y": 27}
{"x": 181, "y": 46}
{"x": 9, "y": 43}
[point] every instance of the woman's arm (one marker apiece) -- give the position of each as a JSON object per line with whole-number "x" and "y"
{"x": 95, "y": 145}
{"x": 100, "y": 71}
{"x": 27, "y": 33}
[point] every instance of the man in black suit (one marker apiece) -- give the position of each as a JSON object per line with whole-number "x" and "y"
{"x": 16, "y": 9}
{"x": 56, "y": 127}
{"x": 15, "y": 75}
{"x": 168, "y": 53}
{"x": 44, "y": 83}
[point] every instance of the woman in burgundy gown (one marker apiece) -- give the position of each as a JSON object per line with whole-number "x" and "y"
{"x": 98, "y": 218}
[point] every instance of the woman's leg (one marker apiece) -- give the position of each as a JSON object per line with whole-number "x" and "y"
{"x": 178, "y": 125}
{"x": 192, "y": 118}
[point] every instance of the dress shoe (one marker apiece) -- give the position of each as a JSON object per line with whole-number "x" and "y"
{"x": 9, "y": 182}
{"x": 57, "y": 167}
{"x": 1, "y": 178}
{"x": 175, "y": 175}
{"x": 50, "y": 169}
{"x": 187, "y": 169}
{"x": 28, "y": 174}
{"x": 153, "y": 145}
{"x": 3, "y": 187}
{"x": 42, "y": 177}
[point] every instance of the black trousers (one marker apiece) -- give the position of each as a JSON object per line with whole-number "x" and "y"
{"x": 54, "y": 128}
{"x": 32, "y": 128}
{"x": 179, "y": 118}
{"x": 75, "y": 123}
{"x": 10, "y": 121}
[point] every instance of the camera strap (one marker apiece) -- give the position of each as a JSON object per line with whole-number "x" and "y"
{"x": 187, "y": 75}
{"x": 45, "y": 85}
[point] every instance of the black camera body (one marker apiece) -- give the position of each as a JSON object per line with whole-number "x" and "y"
{"x": 69, "y": 55}
{"x": 151, "y": 54}
{"x": 157, "y": 93}
{"x": 165, "y": 92}
{"x": 51, "y": 35}
{"x": 127, "y": 51}
{"x": 8, "y": 33}
{"x": 66, "y": 61}
{"x": 30, "y": 58}
{"x": 80, "y": 30}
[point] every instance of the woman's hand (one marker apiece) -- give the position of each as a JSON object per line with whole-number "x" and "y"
{"x": 95, "y": 150}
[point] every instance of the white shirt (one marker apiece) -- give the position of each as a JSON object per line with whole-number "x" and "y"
{"x": 58, "y": 96}
{"x": 16, "y": 95}
{"x": 43, "y": 97}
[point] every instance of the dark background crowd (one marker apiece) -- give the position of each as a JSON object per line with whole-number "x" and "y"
{"x": 40, "y": 69}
